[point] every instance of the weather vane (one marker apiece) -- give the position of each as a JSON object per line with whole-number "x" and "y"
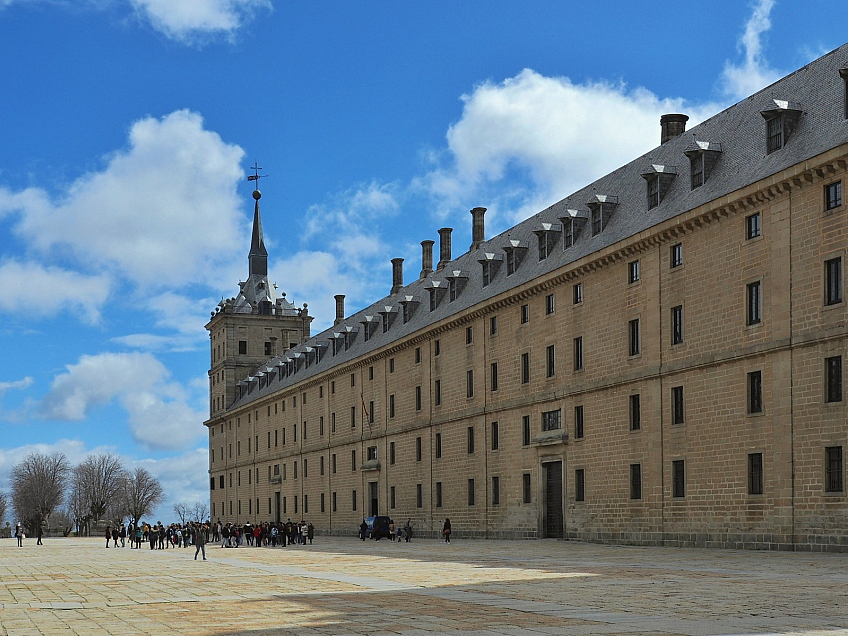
{"x": 256, "y": 176}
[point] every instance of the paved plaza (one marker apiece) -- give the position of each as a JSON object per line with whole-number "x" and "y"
{"x": 346, "y": 586}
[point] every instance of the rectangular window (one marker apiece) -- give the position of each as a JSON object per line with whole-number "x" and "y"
{"x": 452, "y": 290}
{"x": 438, "y": 494}
{"x": 487, "y": 275}
{"x": 419, "y": 496}
{"x": 496, "y": 491}
{"x": 580, "y": 485}
{"x": 578, "y": 353}
{"x": 833, "y": 195}
{"x": 635, "y": 481}
{"x": 321, "y": 464}
{"x": 418, "y": 449}
{"x": 418, "y": 398}
{"x": 370, "y": 412}
{"x": 678, "y": 478}
{"x": 774, "y": 134}
{"x": 754, "y": 303}
{"x": 392, "y": 497}
{"x": 391, "y": 406}
{"x": 417, "y": 355}
{"x": 496, "y": 440}
{"x": 753, "y": 226}
{"x": 633, "y": 331}
{"x": 469, "y": 383}
{"x": 469, "y": 335}
{"x": 372, "y": 456}
{"x": 568, "y": 234}
{"x": 525, "y": 430}
{"x": 335, "y": 507}
{"x": 677, "y": 410}
{"x": 677, "y": 325}
{"x": 833, "y": 379}
{"x": 696, "y": 166}
{"x": 392, "y": 453}
{"x": 493, "y": 325}
{"x": 833, "y": 281}
{"x": 353, "y": 460}
{"x": 438, "y": 445}
{"x": 525, "y": 368}
{"x": 526, "y": 488}
{"x": 470, "y": 444}
{"x": 632, "y": 272}
{"x": 353, "y": 500}
{"x": 511, "y": 262}
{"x": 549, "y": 304}
{"x": 635, "y": 412}
{"x": 578, "y": 422}
{"x": 494, "y": 376}
{"x": 370, "y": 373}
{"x": 755, "y": 474}
{"x": 833, "y": 469}
{"x": 353, "y": 417}
{"x": 332, "y": 426}
{"x": 525, "y": 314}
{"x": 577, "y": 293}
{"x": 550, "y": 361}
{"x": 653, "y": 192}
{"x": 552, "y": 420}
{"x": 676, "y": 255}
{"x": 334, "y": 463}
{"x": 437, "y": 347}
{"x": 596, "y": 221}
{"x": 470, "y": 492}
{"x": 755, "y": 392}
{"x": 391, "y": 365}
{"x": 437, "y": 392}
{"x": 242, "y": 347}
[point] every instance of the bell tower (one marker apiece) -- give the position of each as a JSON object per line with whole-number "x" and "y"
{"x": 249, "y": 329}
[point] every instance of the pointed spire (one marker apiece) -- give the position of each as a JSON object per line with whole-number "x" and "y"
{"x": 258, "y": 256}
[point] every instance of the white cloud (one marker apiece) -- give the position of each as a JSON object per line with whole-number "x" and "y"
{"x": 160, "y": 415}
{"x": 16, "y": 385}
{"x": 188, "y": 20}
{"x": 754, "y": 73}
{"x": 164, "y": 211}
{"x": 547, "y": 133}
{"x": 36, "y": 290}
{"x": 184, "y": 479}
{"x": 179, "y": 314}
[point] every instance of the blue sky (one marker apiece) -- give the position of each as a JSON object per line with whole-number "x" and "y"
{"x": 129, "y": 127}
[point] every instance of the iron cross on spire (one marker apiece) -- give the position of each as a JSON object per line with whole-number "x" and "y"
{"x": 256, "y": 176}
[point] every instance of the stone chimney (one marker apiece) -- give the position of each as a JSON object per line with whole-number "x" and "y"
{"x": 339, "y": 309}
{"x": 426, "y": 258}
{"x": 397, "y": 275}
{"x": 672, "y": 125}
{"x": 444, "y": 247}
{"x": 478, "y": 232}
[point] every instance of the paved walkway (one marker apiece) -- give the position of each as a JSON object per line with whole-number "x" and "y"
{"x": 477, "y": 588}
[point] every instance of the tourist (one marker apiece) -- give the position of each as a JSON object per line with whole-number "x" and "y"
{"x": 19, "y": 533}
{"x": 199, "y": 542}
{"x": 446, "y": 530}
{"x": 310, "y": 532}
{"x": 39, "y": 532}
{"x": 108, "y": 535}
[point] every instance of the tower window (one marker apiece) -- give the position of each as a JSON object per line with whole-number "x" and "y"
{"x": 774, "y": 133}
{"x": 242, "y": 347}
{"x": 833, "y": 195}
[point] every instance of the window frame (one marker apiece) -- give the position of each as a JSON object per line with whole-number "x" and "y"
{"x": 633, "y": 273}
{"x": 634, "y": 402}
{"x": 633, "y": 336}
{"x": 677, "y": 325}
{"x": 833, "y": 281}
{"x": 552, "y": 420}
{"x": 635, "y": 482}
{"x": 833, "y": 196}
{"x": 579, "y": 422}
{"x": 754, "y": 392}
{"x": 756, "y": 474}
{"x": 754, "y": 303}
{"x": 753, "y": 226}
{"x": 580, "y": 485}
{"x": 678, "y": 406}
{"x": 834, "y": 468}
{"x": 676, "y": 256}
{"x": 678, "y": 478}
{"x": 833, "y": 380}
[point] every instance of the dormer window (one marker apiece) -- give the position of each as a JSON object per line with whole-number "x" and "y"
{"x": 490, "y": 264}
{"x": 572, "y": 223}
{"x": 843, "y": 73}
{"x": 369, "y": 324}
{"x": 781, "y": 119}
{"x": 437, "y": 291}
{"x": 602, "y": 207}
{"x": 514, "y": 253}
{"x": 387, "y": 314}
{"x": 703, "y": 156}
{"x": 548, "y": 236}
{"x": 408, "y": 307}
{"x": 659, "y": 180}
{"x": 456, "y": 283}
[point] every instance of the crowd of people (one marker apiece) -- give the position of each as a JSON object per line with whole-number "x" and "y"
{"x": 266, "y": 534}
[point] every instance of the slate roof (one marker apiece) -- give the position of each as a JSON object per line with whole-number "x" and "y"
{"x": 737, "y": 133}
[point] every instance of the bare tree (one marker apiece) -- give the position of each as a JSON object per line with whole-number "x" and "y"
{"x": 142, "y": 492}
{"x": 38, "y": 487}
{"x": 200, "y": 512}
{"x": 182, "y": 512}
{"x": 99, "y": 479}
{"x": 4, "y": 504}
{"x": 78, "y": 509}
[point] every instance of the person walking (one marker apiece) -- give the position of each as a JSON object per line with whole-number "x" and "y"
{"x": 123, "y": 535}
{"x": 108, "y": 535}
{"x": 39, "y": 532}
{"x": 310, "y": 532}
{"x": 199, "y": 542}
{"x": 446, "y": 530}
{"x": 19, "y": 533}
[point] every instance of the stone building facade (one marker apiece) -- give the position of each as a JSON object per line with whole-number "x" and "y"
{"x": 656, "y": 359}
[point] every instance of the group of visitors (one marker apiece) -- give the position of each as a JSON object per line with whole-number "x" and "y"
{"x": 159, "y": 536}
{"x": 267, "y": 534}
